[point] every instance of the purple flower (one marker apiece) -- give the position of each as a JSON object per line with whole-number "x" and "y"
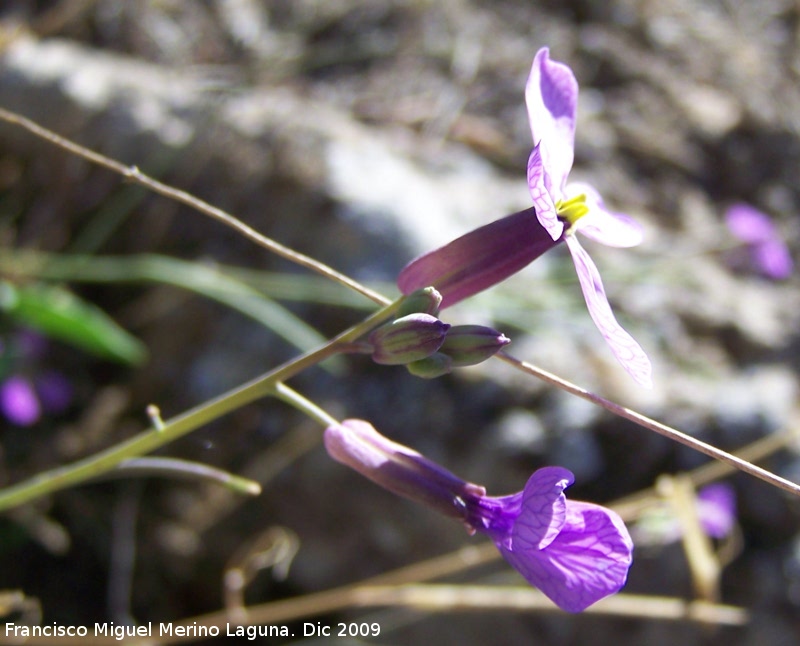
{"x": 26, "y": 392}
{"x": 497, "y": 250}
{"x": 407, "y": 339}
{"x": 19, "y": 402}
{"x": 716, "y": 511}
{"x": 768, "y": 252}
{"x": 716, "y": 508}
{"x": 574, "y": 552}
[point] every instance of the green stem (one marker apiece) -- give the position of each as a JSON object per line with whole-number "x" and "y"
{"x": 184, "y": 469}
{"x": 269, "y": 384}
{"x": 295, "y": 399}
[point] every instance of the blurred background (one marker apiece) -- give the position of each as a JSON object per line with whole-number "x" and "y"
{"x": 365, "y": 133}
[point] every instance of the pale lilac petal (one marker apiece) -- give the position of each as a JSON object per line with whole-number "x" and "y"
{"x": 588, "y": 560}
{"x": 772, "y": 259}
{"x": 627, "y": 351}
{"x": 551, "y": 95}
{"x": 18, "y": 401}
{"x": 749, "y": 224}
{"x": 478, "y": 259}
{"x": 604, "y": 226}
{"x": 717, "y": 509}
{"x": 541, "y": 195}
{"x": 768, "y": 251}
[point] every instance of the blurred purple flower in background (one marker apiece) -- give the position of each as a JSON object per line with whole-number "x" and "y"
{"x": 26, "y": 390}
{"x": 495, "y": 251}
{"x": 19, "y": 402}
{"x": 768, "y": 253}
{"x": 716, "y": 511}
{"x": 576, "y": 553}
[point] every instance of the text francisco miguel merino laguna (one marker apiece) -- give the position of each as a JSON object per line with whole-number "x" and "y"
{"x": 161, "y": 630}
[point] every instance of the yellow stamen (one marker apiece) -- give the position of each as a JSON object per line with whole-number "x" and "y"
{"x": 572, "y": 210}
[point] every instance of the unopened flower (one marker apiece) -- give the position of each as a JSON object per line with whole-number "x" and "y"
{"x": 407, "y": 339}
{"x": 468, "y": 345}
{"x": 423, "y": 301}
{"x": 436, "y": 365}
{"x": 497, "y": 250}
{"x": 574, "y": 552}
{"x": 464, "y": 345}
{"x": 768, "y": 253}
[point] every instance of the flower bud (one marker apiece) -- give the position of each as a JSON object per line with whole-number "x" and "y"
{"x": 436, "y": 365}
{"x": 407, "y": 339}
{"x": 424, "y": 301}
{"x": 468, "y": 345}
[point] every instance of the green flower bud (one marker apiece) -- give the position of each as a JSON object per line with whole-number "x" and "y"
{"x": 436, "y": 365}
{"x": 425, "y": 301}
{"x": 407, "y": 339}
{"x": 468, "y": 345}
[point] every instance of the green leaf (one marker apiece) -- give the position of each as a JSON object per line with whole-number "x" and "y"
{"x": 60, "y": 314}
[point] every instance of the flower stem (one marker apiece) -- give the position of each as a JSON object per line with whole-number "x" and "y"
{"x": 295, "y": 399}
{"x": 184, "y": 469}
{"x": 653, "y": 425}
{"x": 133, "y": 174}
{"x": 268, "y": 384}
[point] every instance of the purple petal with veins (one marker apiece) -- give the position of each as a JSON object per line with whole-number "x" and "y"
{"x": 542, "y": 198}
{"x": 627, "y": 351}
{"x": 575, "y": 552}
{"x": 551, "y": 96}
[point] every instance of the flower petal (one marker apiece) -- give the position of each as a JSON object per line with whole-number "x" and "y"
{"x": 772, "y": 259}
{"x": 544, "y": 508}
{"x": 717, "y": 509}
{"x": 478, "y": 259}
{"x": 749, "y": 224}
{"x": 769, "y": 253}
{"x": 606, "y": 227}
{"x": 18, "y": 401}
{"x": 627, "y": 351}
{"x": 589, "y": 558}
{"x": 538, "y": 184}
{"x": 551, "y": 95}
